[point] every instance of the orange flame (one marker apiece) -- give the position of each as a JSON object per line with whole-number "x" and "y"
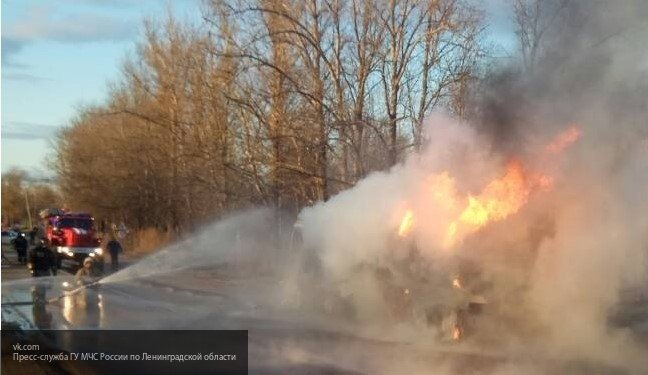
{"x": 564, "y": 139}
{"x": 456, "y": 333}
{"x": 499, "y": 199}
{"x": 406, "y": 223}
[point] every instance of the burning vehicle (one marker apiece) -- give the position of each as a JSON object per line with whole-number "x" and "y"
{"x": 426, "y": 271}
{"x": 72, "y": 236}
{"x": 449, "y": 297}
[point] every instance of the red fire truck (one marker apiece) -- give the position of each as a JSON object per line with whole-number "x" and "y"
{"x": 72, "y": 236}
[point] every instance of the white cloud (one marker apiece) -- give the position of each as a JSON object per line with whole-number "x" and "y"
{"x": 43, "y": 23}
{"x": 28, "y": 130}
{"x": 112, "y": 3}
{"x": 10, "y": 48}
{"x": 22, "y": 76}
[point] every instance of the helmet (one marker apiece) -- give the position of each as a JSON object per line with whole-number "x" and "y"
{"x": 87, "y": 260}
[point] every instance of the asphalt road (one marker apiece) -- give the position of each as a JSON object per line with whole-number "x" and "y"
{"x": 281, "y": 341}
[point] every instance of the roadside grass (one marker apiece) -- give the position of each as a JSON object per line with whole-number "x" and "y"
{"x": 145, "y": 241}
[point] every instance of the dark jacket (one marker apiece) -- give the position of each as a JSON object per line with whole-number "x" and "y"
{"x": 20, "y": 243}
{"x": 114, "y": 247}
{"x": 42, "y": 260}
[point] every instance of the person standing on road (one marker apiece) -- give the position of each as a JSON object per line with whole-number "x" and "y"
{"x": 42, "y": 261}
{"x": 114, "y": 248}
{"x": 21, "y": 245}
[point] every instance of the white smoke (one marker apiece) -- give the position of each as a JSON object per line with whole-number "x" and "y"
{"x": 558, "y": 266}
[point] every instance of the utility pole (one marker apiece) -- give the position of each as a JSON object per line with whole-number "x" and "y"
{"x": 28, "y": 209}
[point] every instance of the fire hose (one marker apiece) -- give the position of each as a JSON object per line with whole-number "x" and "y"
{"x": 54, "y": 299}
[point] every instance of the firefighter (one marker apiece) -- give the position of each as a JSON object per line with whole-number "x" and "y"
{"x": 42, "y": 260}
{"x": 86, "y": 275}
{"x": 32, "y": 235}
{"x": 21, "y": 245}
{"x": 114, "y": 248}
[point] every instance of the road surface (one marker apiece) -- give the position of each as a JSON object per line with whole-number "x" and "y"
{"x": 281, "y": 340}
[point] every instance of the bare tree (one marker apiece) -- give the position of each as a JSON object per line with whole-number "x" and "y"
{"x": 265, "y": 102}
{"x": 533, "y": 18}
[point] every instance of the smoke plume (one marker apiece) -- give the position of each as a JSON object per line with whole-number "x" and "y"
{"x": 562, "y": 265}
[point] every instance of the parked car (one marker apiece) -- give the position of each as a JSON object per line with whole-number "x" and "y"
{"x": 8, "y": 236}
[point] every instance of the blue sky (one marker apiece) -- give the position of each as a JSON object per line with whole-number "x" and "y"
{"x": 60, "y": 54}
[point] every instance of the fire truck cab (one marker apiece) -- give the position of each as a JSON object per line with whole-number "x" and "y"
{"x": 72, "y": 237}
